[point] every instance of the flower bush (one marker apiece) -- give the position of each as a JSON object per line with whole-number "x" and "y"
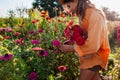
{"x": 30, "y": 51}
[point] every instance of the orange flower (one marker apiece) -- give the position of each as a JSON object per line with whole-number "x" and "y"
{"x": 61, "y": 14}
{"x": 34, "y": 21}
{"x": 37, "y": 49}
{"x": 44, "y": 13}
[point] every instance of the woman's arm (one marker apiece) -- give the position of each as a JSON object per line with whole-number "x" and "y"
{"x": 93, "y": 42}
{"x": 66, "y": 48}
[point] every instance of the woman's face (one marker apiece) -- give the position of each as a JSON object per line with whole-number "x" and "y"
{"x": 71, "y": 6}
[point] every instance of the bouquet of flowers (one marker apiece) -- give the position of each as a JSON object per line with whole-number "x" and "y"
{"x": 74, "y": 33}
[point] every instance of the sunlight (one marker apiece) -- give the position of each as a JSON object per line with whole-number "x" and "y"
{"x": 111, "y": 4}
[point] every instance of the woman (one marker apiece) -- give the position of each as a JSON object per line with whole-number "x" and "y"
{"x": 94, "y": 53}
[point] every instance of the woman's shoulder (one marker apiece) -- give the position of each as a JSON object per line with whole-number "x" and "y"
{"x": 94, "y": 11}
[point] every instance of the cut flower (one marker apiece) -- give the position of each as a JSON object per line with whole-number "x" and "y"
{"x": 75, "y": 34}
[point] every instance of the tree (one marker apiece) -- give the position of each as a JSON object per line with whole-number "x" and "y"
{"x": 111, "y": 15}
{"x": 50, "y": 5}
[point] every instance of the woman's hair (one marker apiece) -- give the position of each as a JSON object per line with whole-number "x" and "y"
{"x": 65, "y": 1}
{"x": 81, "y": 6}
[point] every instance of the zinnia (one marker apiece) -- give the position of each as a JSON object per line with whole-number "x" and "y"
{"x": 35, "y": 41}
{"x": 32, "y": 32}
{"x": 40, "y": 30}
{"x": 62, "y": 68}
{"x": 34, "y": 21}
{"x": 33, "y": 76}
{"x": 56, "y": 42}
{"x": 6, "y": 57}
{"x": 42, "y": 53}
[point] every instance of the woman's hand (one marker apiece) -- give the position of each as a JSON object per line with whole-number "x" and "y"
{"x": 66, "y": 48}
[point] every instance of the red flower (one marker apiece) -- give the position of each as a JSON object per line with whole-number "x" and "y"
{"x": 76, "y": 28}
{"x": 75, "y": 33}
{"x": 34, "y": 21}
{"x": 70, "y": 23}
{"x": 80, "y": 40}
{"x": 67, "y": 32}
{"x": 33, "y": 76}
{"x": 62, "y": 68}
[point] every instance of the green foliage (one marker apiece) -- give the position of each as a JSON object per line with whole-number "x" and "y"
{"x": 114, "y": 71}
{"x": 113, "y": 39}
{"x": 2, "y": 22}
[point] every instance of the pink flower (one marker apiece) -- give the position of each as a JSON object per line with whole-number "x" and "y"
{"x": 9, "y": 30}
{"x": 55, "y": 51}
{"x": 19, "y": 41}
{"x": 35, "y": 41}
{"x": 7, "y": 37}
{"x": 6, "y": 57}
{"x": 2, "y": 29}
{"x": 56, "y": 42}
{"x": 37, "y": 49}
{"x": 32, "y": 32}
{"x": 42, "y": 53}
{"x": 17, "y": 34}
{"x": 33, "y": 76}
{"x": 62, "y": 68}
{"x": 40, "y": 30}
